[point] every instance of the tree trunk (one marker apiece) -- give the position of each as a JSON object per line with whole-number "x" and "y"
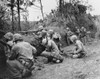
{"x": 18, "y": 8}
{"x": 60, "y": 3}
{"x": 41, "y": 9}
{"x": 12, "y": 11}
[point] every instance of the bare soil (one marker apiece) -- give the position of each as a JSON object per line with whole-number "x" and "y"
{"x": 85, "y": 68}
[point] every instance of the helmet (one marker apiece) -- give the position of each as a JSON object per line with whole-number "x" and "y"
{"x": 67, "y": 28}
{"x": 50, "y": 31}
{"x": 82, "y": 28}
{"x": 44, "y": 30}
{"x": 9, "y": 36}
{"x": 73, "y": 38}
{"x": 40, "y": 28}
{"x": 70, "y": 33}
{"x": 17, "y": 37}
{"x": 43, "y": 34}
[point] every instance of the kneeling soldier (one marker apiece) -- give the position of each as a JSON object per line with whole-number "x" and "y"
{"x": 51, "y": 52}
{"x": 23, "y": 52}
{"x": 79, "y": 51}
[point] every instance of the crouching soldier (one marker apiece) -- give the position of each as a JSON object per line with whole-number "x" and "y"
{"x": 69, "y": 33}
{"x": 51, "y": 52}
{"x": 23, "y": 52}
{"x": 9, "y": 39}
{"x": 79, "y": 51}
{"x": 57, "y": 38}
{"x": 83, "y": 35}
{"x": 6, "y": 70}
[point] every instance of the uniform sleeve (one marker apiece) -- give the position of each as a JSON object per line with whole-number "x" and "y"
{"x": 33, "y": 49}
{"x": 14, "y": 53}
{"x": 79, "y": 47}
{"x": 55, "y": 47}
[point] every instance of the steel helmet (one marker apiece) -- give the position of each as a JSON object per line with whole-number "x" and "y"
{"x": 9, "y": 36}
{"x": 17, "y": 37}
{"x": 67, "y": 28}
{"x": 40, "y": 27}
{"x": 70, "y": 33}
{"x": 50, "y": 31}
{"x": 73, "y": 38}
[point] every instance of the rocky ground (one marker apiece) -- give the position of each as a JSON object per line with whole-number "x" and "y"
{"x": 85, "y": 68}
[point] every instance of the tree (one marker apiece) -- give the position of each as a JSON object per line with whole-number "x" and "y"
{"x": 41, "y": 9}
{"x": 16, "y": 4}
{"x": 18, "y": 8}
{"x": 60, "y": 5}
{"x": 11, "y": 5}
{"x": 4, "y": 16}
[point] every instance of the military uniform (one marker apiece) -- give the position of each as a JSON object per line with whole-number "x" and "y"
{"x": 83, "y": 35}
{"x": 52, "y": 50}
{"x": 68, "y": 35}
{"x": 6, "y": 70}
{"x": 79, "y": 51}
{"x": 57, "y": 38}
{"x": 24, "y": 52}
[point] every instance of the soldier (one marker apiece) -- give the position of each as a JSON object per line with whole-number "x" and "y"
{"x": 23, "y": 52}
{"x": 77, "y": 32}
{"x": 40, "y": 29}
{"x": 9, "y": 37}
{"x": 50, "y": 33}
{"x": 51, "y": 52}
{"x": 69, "y": 33}
{"x": 57, "y": 38}
{"x": 6, "y": 70}
{"x": 79, "y": 51}
{"x": 83, "y": 35}
{"x": 36, "y": 42}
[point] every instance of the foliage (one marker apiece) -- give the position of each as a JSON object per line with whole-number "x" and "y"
{"x": 73, "y": 15}
{"x": 4, "y": 17}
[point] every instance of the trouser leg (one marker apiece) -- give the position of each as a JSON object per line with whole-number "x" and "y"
{"x": 78, "y": 55}
{"x": 16, "y": 64}
{"x": 57, "y": 56}
{"x": 52, "y": 55}
{"x": 47, "y": 55}
{"x": 59, "y": 47}
{"x": 68, "y": 41}
{"x": 20, "y": 67}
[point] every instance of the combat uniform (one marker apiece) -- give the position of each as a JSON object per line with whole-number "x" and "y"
{"x": 83, "y": 35}
{"x": 57, "y": 38}
{"x": 24, "y": 52}
{"x": 52, "y": 50}
{"x": 6, "y": 70}
{"x": 79, "y": 51}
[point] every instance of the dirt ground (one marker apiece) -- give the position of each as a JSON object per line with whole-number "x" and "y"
{"x": 85, "y": 68}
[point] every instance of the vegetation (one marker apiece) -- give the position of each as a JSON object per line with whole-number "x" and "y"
{"x": 68, "y": 14}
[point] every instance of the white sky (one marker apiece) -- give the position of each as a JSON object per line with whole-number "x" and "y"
{"x": 35, "y": 13}
{"x": 96, "y": 6}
